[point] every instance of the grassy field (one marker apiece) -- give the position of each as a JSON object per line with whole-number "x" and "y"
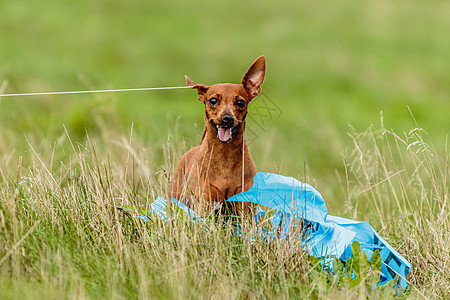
{"x": 356, "y": 103}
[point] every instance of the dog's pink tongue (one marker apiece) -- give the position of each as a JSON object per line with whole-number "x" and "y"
{"x": 224, "y": 134}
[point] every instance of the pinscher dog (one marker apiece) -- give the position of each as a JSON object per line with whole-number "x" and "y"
{"x": 221, "y": 166}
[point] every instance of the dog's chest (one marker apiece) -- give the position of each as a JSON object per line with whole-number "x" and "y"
{"x": 226, "y": 172}
{"x": 226, "y": 183}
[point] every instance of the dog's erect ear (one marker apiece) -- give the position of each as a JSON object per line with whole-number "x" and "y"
{"x": 201, "y": 88}
{"x": 254, "y": 77}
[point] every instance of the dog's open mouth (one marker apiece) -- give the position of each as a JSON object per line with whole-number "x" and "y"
{"x": 224, "y": 133}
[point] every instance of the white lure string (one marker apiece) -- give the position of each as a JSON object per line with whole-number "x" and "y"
{"x": 95, "y": 91}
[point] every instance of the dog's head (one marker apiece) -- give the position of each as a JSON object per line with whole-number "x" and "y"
{"x": 226, "y": 104}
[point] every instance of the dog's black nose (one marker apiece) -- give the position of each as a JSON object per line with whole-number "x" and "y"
{"x": 227, "y": 120}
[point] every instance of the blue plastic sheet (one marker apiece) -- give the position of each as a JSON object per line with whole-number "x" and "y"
{"x": 296, "y": 204}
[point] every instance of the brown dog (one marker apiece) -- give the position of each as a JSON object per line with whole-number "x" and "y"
{"x": 221, "y": 166}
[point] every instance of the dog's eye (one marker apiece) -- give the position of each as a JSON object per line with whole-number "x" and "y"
{"x": 240, "y": 103}
{"x": 213, "y": 101}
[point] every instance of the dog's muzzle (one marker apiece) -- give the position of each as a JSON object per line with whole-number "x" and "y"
{"x": 225, "y": 131}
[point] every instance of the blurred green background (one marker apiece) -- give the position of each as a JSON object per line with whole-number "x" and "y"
{"x": 331, "y": 66}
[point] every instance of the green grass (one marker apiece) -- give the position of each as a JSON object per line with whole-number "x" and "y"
{"x": 340, "y": 76}
{"x": 63, "y": 236}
